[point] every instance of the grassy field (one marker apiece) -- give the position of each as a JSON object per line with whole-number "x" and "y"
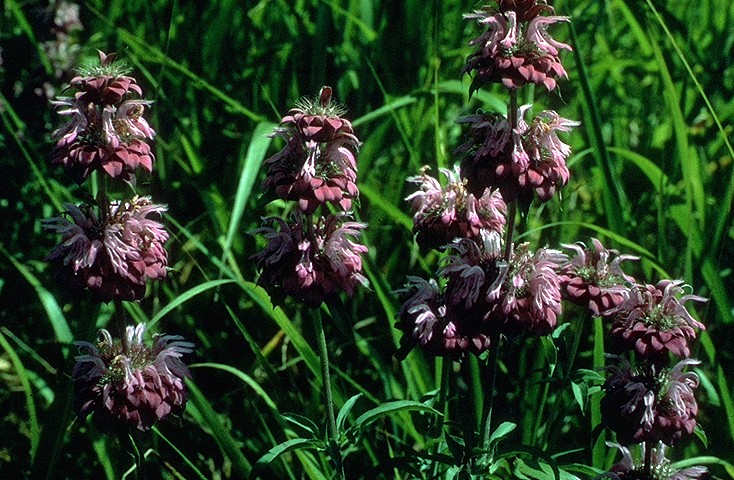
{"x": 652, "y": 83}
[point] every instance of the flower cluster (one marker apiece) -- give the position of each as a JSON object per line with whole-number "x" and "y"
{"x": 652, "y": 321}
{"x": 650, "y": 404}
{"x": 484, "y": 296}
{"x": 519, "y": 161}
{"x": 593, "y": 278}
{"x": 631, "y": 468}
{"x": 315, "y": 255}
{"x": 443, "y": 214}
{"x": 128, "y": 383}
{"x": 318, "y": 163}
{"x": 311, "y": 262}
{"x": 516, "y": 48}
{"x": 113, "y": 250}
{"x": 106, "y": 130}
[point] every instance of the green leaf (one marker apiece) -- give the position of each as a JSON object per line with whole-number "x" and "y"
{"x": 389, "y": 408}
{"x": 186, "y": 296}
{"x": 248, "y": 380}
{"x": 502, "y": 431}
{"x": 288, "y": 446}
{"x": 302, "y": 422}
{"x": 344, "y": 411}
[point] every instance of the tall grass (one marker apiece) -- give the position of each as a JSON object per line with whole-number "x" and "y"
{"x": 652, "y": 175}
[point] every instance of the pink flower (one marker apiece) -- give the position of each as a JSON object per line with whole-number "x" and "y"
{"x": 516, "y": 48}
{"x": 318, "y": 163}
{"x": 653, "y": 321}
{"x": 529, "y": 159}
{"x": 594, "y": 277}
{"x": 440, "y": 329}
{"x": 106, "y": 130}
{"x": 631, "y": 468}
{"x": 531, "y": 297}
{"x": 134, "y": 385}
{"x": 443, "y": 214}
{"x": 112, "y": 252}
{"x": 650, "y": 404}
{"x": 311, "y": 262}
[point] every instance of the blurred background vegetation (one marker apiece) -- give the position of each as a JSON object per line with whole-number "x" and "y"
{"x": 651, "y": 81}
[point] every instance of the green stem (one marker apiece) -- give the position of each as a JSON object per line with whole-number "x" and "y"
{"x": 648, "y": 459}
{"x": 489, "y": 396}
{"x": 121, "y": 325}
{"x": 326, "y": 385}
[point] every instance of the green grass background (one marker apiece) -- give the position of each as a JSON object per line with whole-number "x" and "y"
{"x": 651, "y": 81}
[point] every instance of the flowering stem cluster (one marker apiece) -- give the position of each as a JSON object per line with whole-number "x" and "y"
{"x": 314, "y": 255}
{"x": 112, "y": 248}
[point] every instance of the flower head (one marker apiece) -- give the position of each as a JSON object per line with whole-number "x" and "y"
{"x": 318, "y": 163}
{"x": 531, "y": 297}
{"x": 311, "y": 261}
{"x": 522, "y": 161}
{"x": 633, "y": 467}
{"x": 516, "y": 48}
{"x": 443, "y": 214}
{"x": 650, "y": 403}
{"x": 131, "y": 384}
{"x": 114, "y": 251}
{"x": 106, "y": 130}
{"x": 653, "y": 321}
{"x": 593, "y": 278}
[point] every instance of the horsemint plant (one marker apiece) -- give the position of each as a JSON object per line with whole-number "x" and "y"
{"x": 490, "y": 288}
{"x": 314, "y": 255}
{"x": 112, "y": 248}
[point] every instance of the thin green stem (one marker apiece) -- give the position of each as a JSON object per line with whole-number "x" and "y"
{"x": 333, "y": 438}
{"x": 510, "y": 229}
{"x": 648, "y": 459}
{"x": 489, "y": 396}
{"x": 121, "y": 325}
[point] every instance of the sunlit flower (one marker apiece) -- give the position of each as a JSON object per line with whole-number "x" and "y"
{"x": 131, "y": 384}
{"x": 651, "y": 403}
{"x": 311, "y": 262}
{"x": 318, "y": 163}
{"x": 653, "y": 321}
{"x": 516, "y": 48}
{"x": 529, "y": 159}
{"x": 633, "y": 468}
{"x": 593, "y": 278}
{"x": 443, "y": 214}
{"x": 106, "y": 130}
{"x": 531, "y": 297}
{"x": 112, "y": 252}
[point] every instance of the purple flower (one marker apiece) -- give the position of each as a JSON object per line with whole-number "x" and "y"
{"x": 531, "y": 296}
{"x": 650, "y": 404}
{"x": 310, "y": 261}
{"x": 443, "y": 214}
{"x": 594, "y": 277}
{"x": 653, "y": 321}
{"x": 106, "y": 130}
{"x": 516, "y": 48}
{"x": 131, "y": 384}
{"x": 519, "y": 162}
{"x": 633, "y": 468}
{"x": 318, "y": 163}
{"x": 112, "y": 252}
{"x": 440, "y": 329}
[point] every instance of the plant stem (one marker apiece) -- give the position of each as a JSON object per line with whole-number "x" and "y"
{"x": 489, "y": 396}
{"x": 121, "y": 325}
{"x": 648, "y": 459}
{"x": 333, "y": 438}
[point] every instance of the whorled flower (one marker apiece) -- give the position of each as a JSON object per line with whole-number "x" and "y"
{"x": 310, "y": 261}
{"x": 516, "y": 48}
{"x": 529, "y": 159}
{"x": 318, "y": 163}
{"x": 531, "y": 294}
{"x": 593, "y": 278}
{"x": 633, "y": 468}
{"x": 438, "y": 328}
{"x": 114, "y": 251}
{"x": 653, "y": 321}
{"x": 131, "y": 384}
{"x": 650, "y": 403}
{"x": 106, "y": 130}
{"x": 443, "y": 214}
